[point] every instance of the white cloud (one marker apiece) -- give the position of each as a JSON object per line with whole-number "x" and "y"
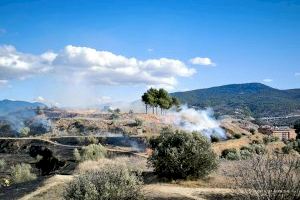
{"x": 103, "y": 67}
{"x": 17, "y": 65}
{"x": 267, "y": 80}
{"x": 150, "y": 50}
{"x": 297, "y": 74}
{"x": 97, "y": 67}
{"x": 202, "y": 61}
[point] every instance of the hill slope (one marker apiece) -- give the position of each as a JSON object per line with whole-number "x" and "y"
{"x": 250, "y": 99}
{"x": 9, "y": 106}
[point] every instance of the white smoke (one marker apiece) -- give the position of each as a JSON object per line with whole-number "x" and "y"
{"x": 202, "y": 121}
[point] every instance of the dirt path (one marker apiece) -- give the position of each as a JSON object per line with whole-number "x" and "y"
{"x": 174, "y": 191}
{"x": 48, "y": 185}
{"x": 152, "y": 191}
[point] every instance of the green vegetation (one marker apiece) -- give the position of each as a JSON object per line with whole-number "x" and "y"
{"x": 293, "y": 145}
{"x": 159, "y": 98}
{"x": 244, "y": 153}
{"x": 110, "y": 182}
{"x": 287, "y": 149}
{"x": 253, "y": 99}
{"x": 252, "y": 131}
{"x": 138, "y": 122}
{"x": 2, "y": 164}
{"x": 181, "y": 155}
{"x": 237, "y": 135}
{"x": 269, "y": 139}
{"x": 21, "y": 173}
{"x": 24, "y": 132}
{"x": 90, "y": 152}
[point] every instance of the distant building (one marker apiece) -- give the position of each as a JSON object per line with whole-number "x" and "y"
{"x": 282, "y": 132}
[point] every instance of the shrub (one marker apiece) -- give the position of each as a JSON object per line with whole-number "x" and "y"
{"x": 2, "y": 164}
{"x": 181, "y": 155}
{"x": 270, "y": 177}
{"x": 252, "y": 131}
{"x": 232, "y": 156}
{"x": 24, "y": 132}
{"x": 287, "y": 149}
{"x": 256, "y": 142}
{"x": 138, "y": 122}
{"x": 214, "y": 138}
{"x": 227, "y": 151}
{"x": 247, "y": 148}
{"x": 76, "y": 155}
{"x": 92, "y": 140}
{"x": 112, "y": 181}
{"x": 21, "y": 173}
{"x": 90, "y": 152}
{"x": 245, "y": 154}
{"x": 258, "y": 148}
{"x": 237, "y": 136}
{"x": 269, "y": 139}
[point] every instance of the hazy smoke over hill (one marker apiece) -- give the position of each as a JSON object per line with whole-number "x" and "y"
{"x": 193, "y": 120}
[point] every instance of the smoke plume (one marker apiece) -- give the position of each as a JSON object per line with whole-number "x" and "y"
{"x": 202, "y": 121}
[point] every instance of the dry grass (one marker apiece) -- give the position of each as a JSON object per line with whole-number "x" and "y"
{"x": 133, "y": 163}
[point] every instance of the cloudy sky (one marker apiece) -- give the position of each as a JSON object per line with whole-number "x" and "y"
{"x": 88, "y": 52}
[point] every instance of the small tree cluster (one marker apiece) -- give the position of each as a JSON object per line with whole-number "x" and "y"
{"x": 112, "y": 181}
{"x": 159, "y": 98}
{"x": 181, "y": 155}
{"x": 21, "y": 173}
{"x": 90, "y": 152}
{"x": 244, "y": 153}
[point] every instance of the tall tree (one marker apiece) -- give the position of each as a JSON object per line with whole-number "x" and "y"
{"x": 159, "y": 98}
{"x": 146, "y": 100}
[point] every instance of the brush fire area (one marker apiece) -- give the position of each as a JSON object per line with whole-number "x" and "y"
{"x": 57, "y": 156}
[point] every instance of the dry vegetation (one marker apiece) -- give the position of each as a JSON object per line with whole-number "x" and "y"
{"x": 217, "y": 185}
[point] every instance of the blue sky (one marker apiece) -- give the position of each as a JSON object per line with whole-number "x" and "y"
{"x": 64, "y": 51}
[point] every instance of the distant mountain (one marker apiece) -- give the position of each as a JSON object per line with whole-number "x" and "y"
{"x": 250, "y": 99}
{"x": 9, "y": 106}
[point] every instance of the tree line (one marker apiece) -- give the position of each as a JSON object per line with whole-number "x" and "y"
{"x": 155, "y": 98}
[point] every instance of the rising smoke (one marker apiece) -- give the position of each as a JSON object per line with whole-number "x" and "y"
{"x": 202, "y": 121}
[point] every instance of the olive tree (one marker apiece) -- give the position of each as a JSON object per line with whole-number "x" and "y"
{"x": 181, "y": 155}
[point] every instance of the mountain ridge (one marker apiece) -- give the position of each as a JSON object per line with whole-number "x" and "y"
{"x": 247, "y": 99}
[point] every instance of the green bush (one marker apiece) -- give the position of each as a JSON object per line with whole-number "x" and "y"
{"x": 138, "y": 122}
{"x": 245, "y": 154}
{"x": 110, "y": 182}
{"x": 237, "y": 136}
{"x": 90, "y": 152}
{"x": 269, "y": 139}
{"x": 233, "y": 156}
{"x": 258, "y": 148}
{"x": 181, "y": 155}
{"x": 2, "y": 164}
{"x": 252, "y": 131}
{"x": 24, "y": 132}
{"x": 92, "y": 140}
{"x": 250, "y": 149}
{"x": 287, "y": 149}
{"x": 227, "y": 151}
{"x": 21, "y": 173}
